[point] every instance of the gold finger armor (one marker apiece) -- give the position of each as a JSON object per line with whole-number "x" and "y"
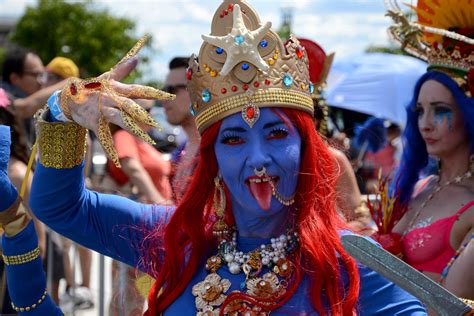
{"x": 133, "y": 128}
{"x": 77, "y": 91}
{"x": 135, "y": 50}
{"x": 106, "y": 141}
{"x": 145, "y": 92}
{"x": 137, "y": 113}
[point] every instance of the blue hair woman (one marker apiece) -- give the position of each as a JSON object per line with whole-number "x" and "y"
{"x": 438, "y": 228}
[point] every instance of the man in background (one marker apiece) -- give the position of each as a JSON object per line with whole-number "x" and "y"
{"x": 178, "y": 113}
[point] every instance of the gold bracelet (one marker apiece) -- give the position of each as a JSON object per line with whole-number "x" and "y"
{"x": 61, "y": 145}
{"x": 21, "y": 259}
{"x": 29, "y": 308}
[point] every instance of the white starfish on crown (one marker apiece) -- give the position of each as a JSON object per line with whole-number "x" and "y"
{"x": 240, "y": 44}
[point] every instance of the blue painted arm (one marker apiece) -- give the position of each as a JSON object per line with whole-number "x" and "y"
{"x": 112, "y": 225}
{"x": 27, "y": 282}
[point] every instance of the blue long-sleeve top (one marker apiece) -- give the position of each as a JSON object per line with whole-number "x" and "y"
{"x": 115, "y": 226}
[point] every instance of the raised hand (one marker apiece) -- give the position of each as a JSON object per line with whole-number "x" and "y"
{"x": 96, "y": 102}
{"x": 8, "y": 192}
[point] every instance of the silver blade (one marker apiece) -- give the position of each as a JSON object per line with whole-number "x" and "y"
{"x": 400, "y": 273}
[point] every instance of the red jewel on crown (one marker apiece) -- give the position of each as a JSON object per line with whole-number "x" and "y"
{"x": 250, "y": 114}
{"x": 299, "y": 52}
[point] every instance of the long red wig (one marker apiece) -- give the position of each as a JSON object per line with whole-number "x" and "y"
{"x": 187, "y": 239}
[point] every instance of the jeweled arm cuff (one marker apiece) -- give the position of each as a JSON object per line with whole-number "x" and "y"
{"x": 14, "y": 219}
{"x": 23, "y": 258}
{"x": 61, "y": 145}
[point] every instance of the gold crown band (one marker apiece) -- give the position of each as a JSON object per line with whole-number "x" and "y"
{"x": 61, "y": 145}
{"x": 33, "y": 306}
{"x": 272, "y": 97}
{"x": 21, "y": 259}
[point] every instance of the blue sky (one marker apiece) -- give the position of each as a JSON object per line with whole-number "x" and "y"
{"x": 343, "y": 26}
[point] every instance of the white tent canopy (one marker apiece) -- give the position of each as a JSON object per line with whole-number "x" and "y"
{"x": 377, "y": 84}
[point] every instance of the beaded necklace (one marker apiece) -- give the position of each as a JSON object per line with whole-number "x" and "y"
{"x": 211, "y": 293}
{"x": 467, "y": 175}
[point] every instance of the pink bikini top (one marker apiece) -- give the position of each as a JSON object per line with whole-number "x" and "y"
{"x": 428, "y": 248}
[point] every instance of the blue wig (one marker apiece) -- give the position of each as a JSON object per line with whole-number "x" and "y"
{"x": 415, "y": 156}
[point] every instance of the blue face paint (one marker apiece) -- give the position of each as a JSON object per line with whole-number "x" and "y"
{"x": 441, "y": 115}
{"x": 239, "y": 149}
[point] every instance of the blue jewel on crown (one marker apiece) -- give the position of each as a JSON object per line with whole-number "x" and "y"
{"x": 287, "y": 80}
{"x": 239, "y": 39}
{"x": 206, "y": 96}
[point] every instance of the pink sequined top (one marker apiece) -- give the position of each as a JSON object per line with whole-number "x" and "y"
{"x": 428, "y": 248}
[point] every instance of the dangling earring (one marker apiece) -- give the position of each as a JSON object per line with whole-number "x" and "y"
{"x": 220, "y": 229}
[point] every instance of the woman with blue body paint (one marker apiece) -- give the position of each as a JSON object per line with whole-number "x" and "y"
{"x": 257, "y": 231}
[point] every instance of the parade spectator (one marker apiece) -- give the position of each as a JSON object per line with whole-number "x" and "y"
{"x": 349, "y": 199}
{"x": 23, "y": 77}
{"x": 178, "y": 112}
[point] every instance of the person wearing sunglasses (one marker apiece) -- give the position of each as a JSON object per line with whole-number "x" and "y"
{"x": 178, "y": 113}
{"x": 23, "y": 78}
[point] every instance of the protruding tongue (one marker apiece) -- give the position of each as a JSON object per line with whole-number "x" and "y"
{"x": 262, "y": 192}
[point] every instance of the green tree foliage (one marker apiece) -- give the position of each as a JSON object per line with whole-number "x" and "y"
{"x": 94, "y": 39}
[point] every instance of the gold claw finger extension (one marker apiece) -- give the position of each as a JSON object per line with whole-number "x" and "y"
{"x": 146, "y": 92}
{"x": 135, "y": 49}
{"x": 138, "y": 113}
{"x": 133, "y": 128}
{"x": 106, "y": 140}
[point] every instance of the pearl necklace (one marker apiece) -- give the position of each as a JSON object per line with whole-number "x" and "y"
{"x": 270, "y": 254}
{"x": 467, "y": 175}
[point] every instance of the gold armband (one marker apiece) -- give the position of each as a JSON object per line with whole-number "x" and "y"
{"x": 21, "y": 259}
{"x": 33, "y": 306}
{"x": 61, "y": 145}
{"x": 14, "y": 219}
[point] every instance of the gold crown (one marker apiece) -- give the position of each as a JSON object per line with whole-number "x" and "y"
{"x": 243, "y": 66}
{"x": 442, "y": 36}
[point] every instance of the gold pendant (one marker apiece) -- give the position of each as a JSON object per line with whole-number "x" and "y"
{"x": 210, "y": 293}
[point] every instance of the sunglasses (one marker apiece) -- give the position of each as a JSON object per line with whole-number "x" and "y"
{"x": 174, "y": 88}
{"x": 41, "y": 77}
